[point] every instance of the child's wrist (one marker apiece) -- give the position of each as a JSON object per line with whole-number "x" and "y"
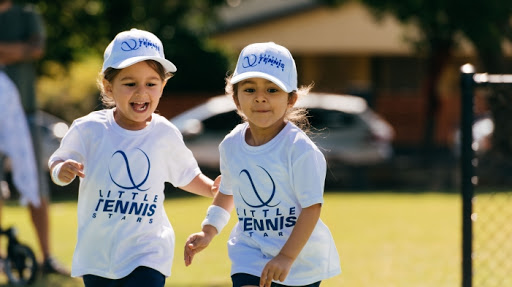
{"x": 216, "y": 217}
{"x": 55, "y": 175}
{"x": 287, "y": 256}
{"x": 209, "y": 230}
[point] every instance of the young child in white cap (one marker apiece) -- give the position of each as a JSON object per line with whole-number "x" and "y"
{"x": 274, "y": 176}
{"x": 123, "y": 155}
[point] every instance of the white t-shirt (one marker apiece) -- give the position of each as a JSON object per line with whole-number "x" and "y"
{"x": 16, "y": 142}
{"x": 271, "y": 184}
{"x": 121, "y": 220}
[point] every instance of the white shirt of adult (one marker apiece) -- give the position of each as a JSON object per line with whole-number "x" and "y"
{"x": 271, "y": 184}
{"x": 16, "y": 142}
{"x": 122, "y": 223}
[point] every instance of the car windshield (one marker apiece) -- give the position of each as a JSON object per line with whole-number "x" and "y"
{"x": 224, "y": 122}
{"x": 320, "y": 119}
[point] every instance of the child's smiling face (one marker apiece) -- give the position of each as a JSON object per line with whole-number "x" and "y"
{"x": 136, "y": 91}
{"x": 264, "y": 104}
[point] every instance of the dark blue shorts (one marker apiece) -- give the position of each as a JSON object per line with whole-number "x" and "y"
{"x": 141, "y": 276}
{"x": 242, "y": 279}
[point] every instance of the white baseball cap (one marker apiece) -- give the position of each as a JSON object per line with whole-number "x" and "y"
{"x": 133, "y": 46}
{"x": 268, "y": 61}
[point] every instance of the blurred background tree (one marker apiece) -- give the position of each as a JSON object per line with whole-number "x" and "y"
{"x": 79, "y": 31}
{"x": 486, "y": 24}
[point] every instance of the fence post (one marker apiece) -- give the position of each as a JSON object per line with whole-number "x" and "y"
{"x": 467, "y": 173}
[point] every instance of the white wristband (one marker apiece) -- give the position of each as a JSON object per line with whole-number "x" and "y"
{"x": 217, "y": 217}
{"x": 55, "y": 175}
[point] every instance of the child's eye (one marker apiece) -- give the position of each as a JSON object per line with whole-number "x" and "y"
{"x": 130, "y": 84}
{"x": 150, "y": 84}
{"x": 272, "y": 90}
{"x": 249, "y": 90}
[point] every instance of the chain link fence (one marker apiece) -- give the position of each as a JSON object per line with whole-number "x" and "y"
{"x": 486, "y": 180}
{"x": 492, "y": 219}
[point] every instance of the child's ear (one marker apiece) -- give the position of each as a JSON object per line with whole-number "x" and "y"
{"x": 107, "y": 87}
{"x": 162, "y": 89}
{"x": 237, "y": 103}
{"x": 292, "y": 99}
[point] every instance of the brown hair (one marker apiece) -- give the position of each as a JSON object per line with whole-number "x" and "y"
{"x": 110, "y": 74}
{"x": 298, "y": 116}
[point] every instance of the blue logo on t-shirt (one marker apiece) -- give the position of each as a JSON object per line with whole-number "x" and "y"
{"x": 130, "y": 200}
{"x": 129, "y": 172}
{"x": 262, "y": 202}
{"x": 260, "y": 216}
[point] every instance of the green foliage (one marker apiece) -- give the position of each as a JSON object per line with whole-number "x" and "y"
{"x": 83, "y": 28}
{"x": 70, "y": 93}
{"x": 485, "y": 23}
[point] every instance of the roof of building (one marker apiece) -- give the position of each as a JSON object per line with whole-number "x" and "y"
{"x": 305, "y": 26}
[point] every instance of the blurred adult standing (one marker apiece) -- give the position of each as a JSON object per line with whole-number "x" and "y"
{"x": 16, "y": 144}
{"x": 22, "y": 42}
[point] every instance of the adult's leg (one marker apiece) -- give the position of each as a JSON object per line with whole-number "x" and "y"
{"x": 40, "y": 221}
{"x": 2, "y": 179}
{"x": 4, "y": 194}
{"x": 40, "y": 214}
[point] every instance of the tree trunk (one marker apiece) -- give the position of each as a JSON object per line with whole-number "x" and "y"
{"x": 439, "y": 57}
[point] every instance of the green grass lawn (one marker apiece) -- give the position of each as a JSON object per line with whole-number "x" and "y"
{"x": 384, "y": 239}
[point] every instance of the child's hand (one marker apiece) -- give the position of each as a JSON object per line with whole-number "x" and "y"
{"x": 276, "y": 269}
{"x": 197, "y": 242}
{"x": 70, "y": 169}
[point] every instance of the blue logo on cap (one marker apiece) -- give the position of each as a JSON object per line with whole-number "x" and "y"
{"x": 253, "y": 60}
{"x": 133, "y": 44}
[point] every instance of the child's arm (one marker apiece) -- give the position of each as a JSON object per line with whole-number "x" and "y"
{"x": 63, "y": 172}
{"x": 279, "y": 266}
{"x": 203, "y": 185}
{"x": 199, "y": 241}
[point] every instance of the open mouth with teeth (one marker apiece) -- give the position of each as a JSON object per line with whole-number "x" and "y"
{"x": 140, "y": 106}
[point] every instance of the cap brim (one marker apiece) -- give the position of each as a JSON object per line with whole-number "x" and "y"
{"x": 168, "y": 65}
{"x": 248, "y": 75}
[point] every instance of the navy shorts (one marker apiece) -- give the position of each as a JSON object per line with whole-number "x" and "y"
{"x": 141, "y": 276}
{"x": 242, "y": 279}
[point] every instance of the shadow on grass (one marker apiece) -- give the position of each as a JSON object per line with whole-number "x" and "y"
{"x": 48, "y": 280}
{"x": 61, "y": 281}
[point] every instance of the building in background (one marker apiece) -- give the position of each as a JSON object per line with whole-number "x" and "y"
{"x": 345, "y": 49}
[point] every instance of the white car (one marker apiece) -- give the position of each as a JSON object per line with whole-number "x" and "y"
{"x": 345, "y": 129}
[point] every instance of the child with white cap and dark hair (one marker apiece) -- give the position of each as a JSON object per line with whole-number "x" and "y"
{"x": 273, "y": 175}
{"x": 123, "y": 156}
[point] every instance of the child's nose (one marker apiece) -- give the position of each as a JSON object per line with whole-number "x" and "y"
{"x": 260, "y": 96}
{"x": 141, "y": 90}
